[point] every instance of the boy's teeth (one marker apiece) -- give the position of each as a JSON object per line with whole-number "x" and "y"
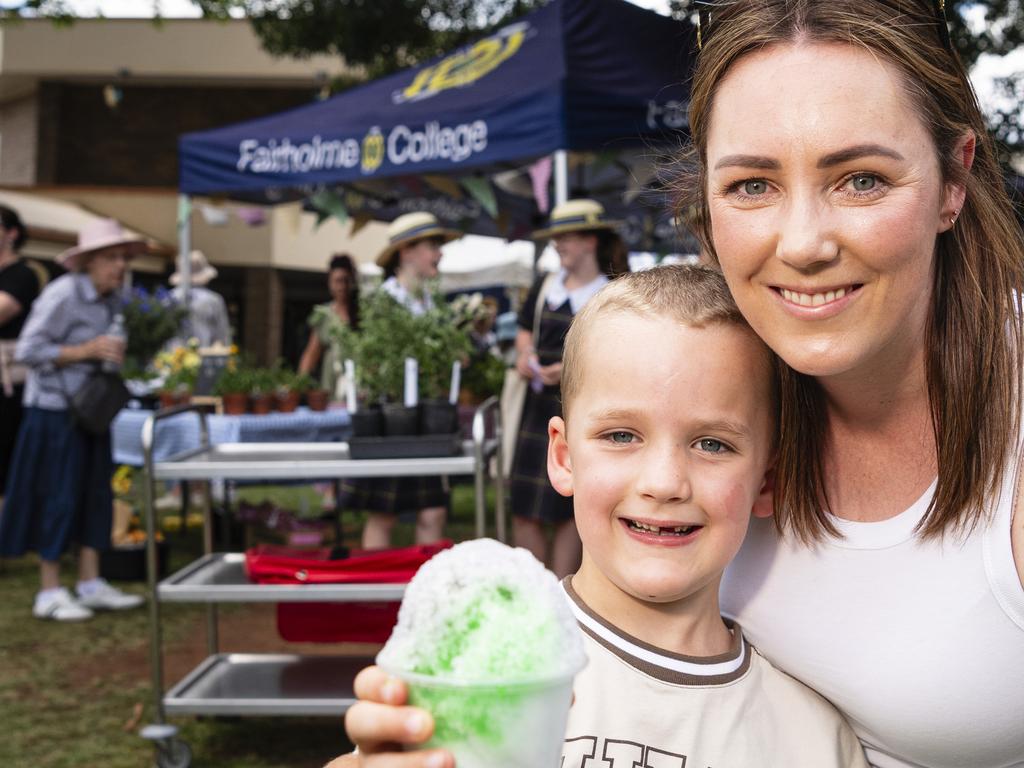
{"x": 812, "y": 299}
{"x": 664, "y": 531}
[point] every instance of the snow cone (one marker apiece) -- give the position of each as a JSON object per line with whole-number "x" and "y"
{"x": 488, "y": 645}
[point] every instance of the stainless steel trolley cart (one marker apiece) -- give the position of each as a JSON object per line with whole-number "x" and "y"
{"x": 280, "y": 684}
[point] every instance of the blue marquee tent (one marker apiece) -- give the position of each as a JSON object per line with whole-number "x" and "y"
{"x": 575, "y": 74}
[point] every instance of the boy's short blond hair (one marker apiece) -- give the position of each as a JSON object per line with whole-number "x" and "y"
{"x": 692, "y": 295}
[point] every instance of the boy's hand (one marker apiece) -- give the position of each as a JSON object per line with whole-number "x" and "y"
{"x": 381, "y": 726}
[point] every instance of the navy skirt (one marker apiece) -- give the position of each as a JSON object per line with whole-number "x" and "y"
{"x": 58, "y": 488}
{"x": 393, "y": 495}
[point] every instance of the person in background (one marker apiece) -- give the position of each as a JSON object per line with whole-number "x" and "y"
{"x": 19, "y": 286}
{"x": 341, "y": 310}
{"x": 58, "y": 487}
{"x": 208, "y": 314}
{"x": 410, "y": 262}
{"x": 590, "y": 252}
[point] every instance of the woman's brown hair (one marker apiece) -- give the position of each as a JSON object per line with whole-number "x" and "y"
{"x": 974, "y": 338}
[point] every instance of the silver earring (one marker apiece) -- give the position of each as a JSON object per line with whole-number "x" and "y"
{"x": 952, "y": 219}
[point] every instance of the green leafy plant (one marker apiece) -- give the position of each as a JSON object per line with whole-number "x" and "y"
{"x": 262, "y": 381}
{"x": 484, "y": 376}
{"x": 441, "y": 340}
{"x": 386, "y": 336}
{"x": 303, "y": 382}
{"x": 389, "y": 333}
{"x": 235, "y": 379}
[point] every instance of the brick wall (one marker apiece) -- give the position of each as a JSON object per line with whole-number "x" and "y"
{"x": 81, "y": 141}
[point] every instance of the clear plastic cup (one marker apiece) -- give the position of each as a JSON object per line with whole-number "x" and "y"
{"x": 511, "y": 724}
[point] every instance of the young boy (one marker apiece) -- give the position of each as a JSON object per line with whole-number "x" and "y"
{"x": 665, "y": 444}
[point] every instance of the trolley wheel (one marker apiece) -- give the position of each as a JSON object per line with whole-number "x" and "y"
{"x": 173, "y": 753}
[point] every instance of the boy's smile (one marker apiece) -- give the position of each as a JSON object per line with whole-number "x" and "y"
{"x": 664, "y": 449}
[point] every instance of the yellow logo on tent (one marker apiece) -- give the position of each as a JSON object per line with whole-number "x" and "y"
{"x": 373, "y": 150}
{"x": 466, "y": 66}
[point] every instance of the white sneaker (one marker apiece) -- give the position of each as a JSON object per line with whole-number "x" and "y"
{"x": 59, "y": 605}
{"x": 103, "y": 597}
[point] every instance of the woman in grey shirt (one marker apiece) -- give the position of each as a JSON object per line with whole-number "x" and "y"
{"x": 58, "y": 488}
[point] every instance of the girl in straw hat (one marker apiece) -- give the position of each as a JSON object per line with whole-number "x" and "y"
{"x": 58, "y": 490}
{"x": 409, "y": 261}
{"x": 590, "y": 252}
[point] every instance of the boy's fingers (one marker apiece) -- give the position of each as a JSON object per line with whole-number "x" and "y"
{"x": 373, "y": 684}
{"x": 380, "y": 726}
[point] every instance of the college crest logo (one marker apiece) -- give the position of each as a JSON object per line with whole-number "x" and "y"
{"x": 468, "y": 65}
{"x": 373, "y": 150}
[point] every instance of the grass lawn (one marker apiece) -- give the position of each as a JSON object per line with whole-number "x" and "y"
{"x": 74, "y": 695}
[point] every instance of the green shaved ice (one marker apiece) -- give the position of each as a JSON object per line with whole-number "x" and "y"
{"x": 501, "y": 635}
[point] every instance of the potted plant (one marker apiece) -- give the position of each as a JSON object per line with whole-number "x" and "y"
{"x": 387, "y": 335}
{"x": 441, "y": 341}
{"x": 287, "y": 392}
{"x": 261, "y": 390}
{"x": 151, "y": 320}
{"x": 178, "y": 368}
{"x": 232, "y": 387}
{"x": 317, "y": 397}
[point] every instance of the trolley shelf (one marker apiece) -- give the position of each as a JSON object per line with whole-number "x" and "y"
{"x": 260, "y": 684}
{"x": 310, "y": 461}
{"x": 220, "y": 578}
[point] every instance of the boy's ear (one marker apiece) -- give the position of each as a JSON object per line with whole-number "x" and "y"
{"x": 559, "y": 463}
{"x": 763, "y": 506}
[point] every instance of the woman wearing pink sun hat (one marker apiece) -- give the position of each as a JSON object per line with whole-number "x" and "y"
{"x": 58, "y": 490}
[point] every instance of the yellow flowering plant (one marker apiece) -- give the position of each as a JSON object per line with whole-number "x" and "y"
{"x": 179, "y": 367}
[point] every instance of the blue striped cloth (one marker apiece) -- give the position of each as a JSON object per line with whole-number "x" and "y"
{"x": 181, "y": 432}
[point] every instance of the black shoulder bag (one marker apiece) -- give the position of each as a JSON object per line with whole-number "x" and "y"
{"x": 95, "y": 404}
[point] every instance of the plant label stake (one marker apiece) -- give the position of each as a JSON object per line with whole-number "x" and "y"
{"x": 453, "y": 392}
{"x": 350, "y": 386}
{"x": 411, "y": 382}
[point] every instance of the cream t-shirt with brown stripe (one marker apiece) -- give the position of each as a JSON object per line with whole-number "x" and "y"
{"x": 638, "y": 706}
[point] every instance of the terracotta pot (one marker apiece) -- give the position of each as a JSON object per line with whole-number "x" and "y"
{"x": 317, "y": 399}
{"x": 170, "y": 398}
{"x": 288, "y": 401}
{"x": 235, "y": 403}
{"x": 262, "y": 403}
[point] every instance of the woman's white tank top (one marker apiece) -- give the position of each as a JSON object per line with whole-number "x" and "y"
{"x": 919, "y": 643}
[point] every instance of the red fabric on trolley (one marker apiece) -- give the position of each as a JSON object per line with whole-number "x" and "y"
{"x": 336, "y": 622}
{"x": 269, "y": 564}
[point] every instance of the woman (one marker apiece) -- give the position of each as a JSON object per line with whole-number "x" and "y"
{"x": 850, "y": 194}
{"x": 410, "y": 262}
{"x": 58, "y": 489}
{"x": 19, "y": 286}
{"x": 342, "y": 310}
{"x": 589, "y": 252}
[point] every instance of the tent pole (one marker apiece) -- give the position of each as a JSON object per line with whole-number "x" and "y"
{"x": 185, "y": 249}
{"x": 561, "y": 161}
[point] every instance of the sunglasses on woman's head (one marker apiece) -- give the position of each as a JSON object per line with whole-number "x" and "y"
{"x": 707, "y": 17}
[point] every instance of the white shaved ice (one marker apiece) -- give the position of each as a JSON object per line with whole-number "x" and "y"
{"x": 483, "y": 611}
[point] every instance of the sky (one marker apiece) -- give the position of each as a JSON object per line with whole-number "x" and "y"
{"x": 987, "y": 67}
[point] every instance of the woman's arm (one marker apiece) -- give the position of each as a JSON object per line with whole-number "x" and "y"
{"x": 10, "y": 307}
{"x": 311, "y": 355}
{"x": 524, "y": 353}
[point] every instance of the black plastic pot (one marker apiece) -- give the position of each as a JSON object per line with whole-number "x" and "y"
{"x": 400, "y": 420}
{"x": 438, "y": 417}
{"x": 367, "y": 422}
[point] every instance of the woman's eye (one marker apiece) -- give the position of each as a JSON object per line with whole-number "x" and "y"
{"x": 621, "y": 437}
{"x": 710, "y": 445}
{"x": 863, "y": 182}
{"x": 754, "y": 187}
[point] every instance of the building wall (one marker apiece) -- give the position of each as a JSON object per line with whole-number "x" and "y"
{"x": 18, "y": 141}
{"x": 136, "y": 143}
